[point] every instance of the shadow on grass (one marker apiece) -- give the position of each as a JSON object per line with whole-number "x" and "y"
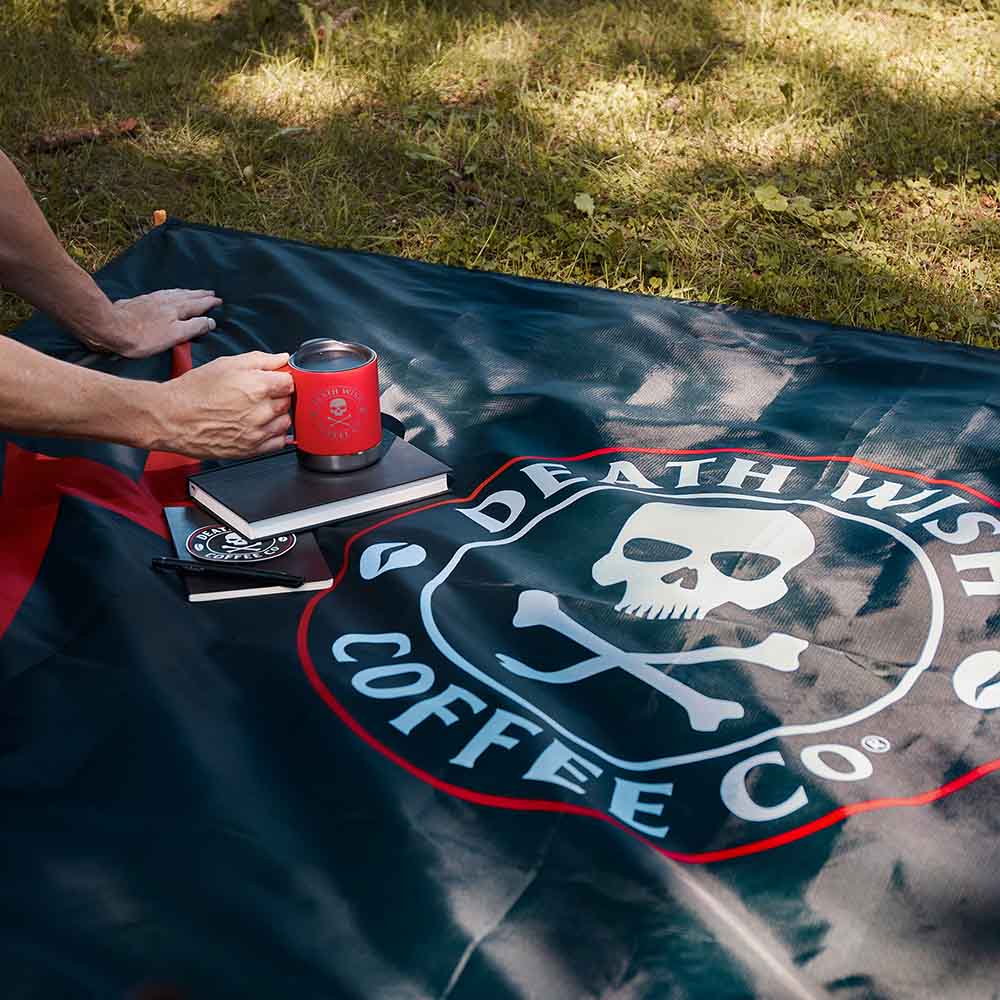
{"x": 442, "y": 162}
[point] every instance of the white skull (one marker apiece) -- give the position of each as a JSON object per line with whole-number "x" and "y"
{"x": 338, "y": 407}
{"x": 232, "y": 538}
{"x": 681, "y": 561}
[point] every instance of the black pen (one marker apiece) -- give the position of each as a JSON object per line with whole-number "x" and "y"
{"x": 168, "y": 565}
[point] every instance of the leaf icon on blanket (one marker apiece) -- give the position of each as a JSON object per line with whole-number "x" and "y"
{"x": 385, "y": 556}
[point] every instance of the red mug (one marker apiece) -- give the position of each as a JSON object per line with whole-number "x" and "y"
{"x": 336, "y": 415}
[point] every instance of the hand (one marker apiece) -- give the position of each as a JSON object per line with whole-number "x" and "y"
{"x": 149, "y": 324}
{"x": 232, "y": 407}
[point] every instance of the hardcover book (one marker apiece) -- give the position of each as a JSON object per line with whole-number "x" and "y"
{"x": 198, "y": 537}
{"x": 273, "y": 494}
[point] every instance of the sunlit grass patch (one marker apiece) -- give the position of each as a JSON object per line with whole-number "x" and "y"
{"x": 287, "y": 91}
{"x": 945, "y": 54}
{"x": 616, "y": 113}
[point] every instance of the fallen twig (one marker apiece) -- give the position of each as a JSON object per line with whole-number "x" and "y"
{"x": 49, "y": 141}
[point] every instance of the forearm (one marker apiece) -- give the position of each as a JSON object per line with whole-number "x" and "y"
{"x": 42, "y": 396}
{"x": 35, "y": 266}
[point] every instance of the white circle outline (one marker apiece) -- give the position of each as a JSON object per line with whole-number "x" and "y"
{"x": 244, "y": 562}
{"x": 891, "y": 697}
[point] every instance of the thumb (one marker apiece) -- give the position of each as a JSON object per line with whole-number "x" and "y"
{"x": 261, "y": 361}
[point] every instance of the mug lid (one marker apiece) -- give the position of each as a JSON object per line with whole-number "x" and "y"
{"x": 324, "y": 354}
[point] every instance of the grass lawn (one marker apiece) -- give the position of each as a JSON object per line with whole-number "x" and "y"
{"x": 837, "y": 159}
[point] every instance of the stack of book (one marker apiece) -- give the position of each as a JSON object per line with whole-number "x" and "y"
{"x": 250, "y": 534}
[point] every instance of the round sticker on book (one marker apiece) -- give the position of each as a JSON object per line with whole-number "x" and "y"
{"x": 219, "y": 543}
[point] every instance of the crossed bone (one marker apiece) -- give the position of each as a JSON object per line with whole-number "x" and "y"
{"x": 247, "y": 547}
{"x": 538, "y": 607}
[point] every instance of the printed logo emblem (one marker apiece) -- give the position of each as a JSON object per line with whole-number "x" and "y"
{"x": 721, "y": 653}
{"x": 338, "y": 410}
{"x": 681, "y": 562}
{"x": 218, "y": 543}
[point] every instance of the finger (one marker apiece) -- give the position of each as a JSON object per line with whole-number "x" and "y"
{"x": 262, "y": 361}
{"x": 274, "y": 444}
{"x": 189, "y": 328}
{"x": 275, "y": 426}
{"x": 181, "y": 292}
{"x": 191, "y": 306}
{"x": 277, "y": 384}
{"x": 279, "y": 406}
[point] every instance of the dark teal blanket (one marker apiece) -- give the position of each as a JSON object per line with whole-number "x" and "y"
{"x": 687, "y": 689}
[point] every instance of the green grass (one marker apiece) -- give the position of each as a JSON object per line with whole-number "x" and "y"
{"x": 837, "y": 159}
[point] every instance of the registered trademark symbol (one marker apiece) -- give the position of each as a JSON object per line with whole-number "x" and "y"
{"x": 876, "y": 744}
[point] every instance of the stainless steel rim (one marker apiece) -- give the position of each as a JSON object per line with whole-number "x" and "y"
{"x": 317, "y": 345}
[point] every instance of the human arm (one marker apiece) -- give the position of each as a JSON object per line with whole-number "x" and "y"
{"x": 230, "y": 408}
{"x": 34, "y": 265}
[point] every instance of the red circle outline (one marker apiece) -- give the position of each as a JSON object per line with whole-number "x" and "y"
{"x": 545, "y": 805}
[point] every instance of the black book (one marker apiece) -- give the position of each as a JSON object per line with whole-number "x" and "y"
{"x": 274, "y": 494}
{"x": 200, "y": 538}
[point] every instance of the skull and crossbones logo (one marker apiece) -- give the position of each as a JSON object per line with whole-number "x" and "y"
{"x": 681, "y": 561}
{"x": 338, "y": 411}
{"x": 233, "y": 542}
